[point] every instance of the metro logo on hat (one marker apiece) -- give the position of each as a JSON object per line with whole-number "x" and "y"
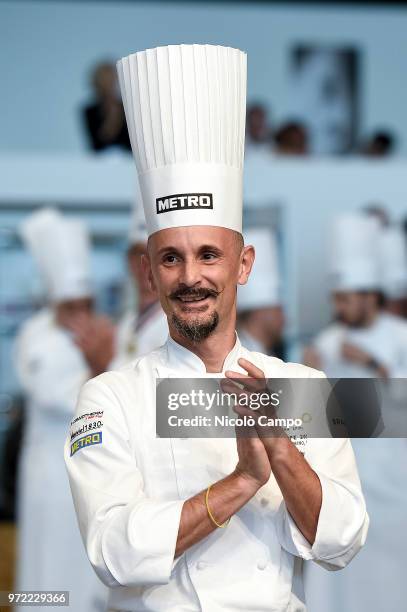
{"x": 184, "y": 201}
{"x": 185, "y": 108}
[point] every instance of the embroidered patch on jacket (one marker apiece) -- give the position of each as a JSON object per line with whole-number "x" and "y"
{"x": 88, "y": 416}
{"x": 95, "y": 438}
{"x": 86, "y": 427}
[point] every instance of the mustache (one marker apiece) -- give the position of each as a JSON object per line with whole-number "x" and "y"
{"x": 200, "y": 292}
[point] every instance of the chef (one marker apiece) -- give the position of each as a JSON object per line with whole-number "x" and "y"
{"x": 200, "y": 524}
{"x": 367, "y": 342}
{"x": 52, "y": 363}
{"x": 260, "y": 312}
{"x": 364, "y": 341}
{"x": 393, "y": 252}
{"x": 141, "y": 332}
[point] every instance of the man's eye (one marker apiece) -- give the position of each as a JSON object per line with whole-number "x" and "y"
{"x": 209, "y": 255}
{"x": 170, "y": 258}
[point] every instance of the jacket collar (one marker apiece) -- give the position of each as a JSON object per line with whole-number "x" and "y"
{"x": 183, "y": 360}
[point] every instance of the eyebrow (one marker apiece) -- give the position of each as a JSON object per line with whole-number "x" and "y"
{"x": 210, "y": 247}
{"x": 167, "y": 249}
{"x": 202, "y": 248}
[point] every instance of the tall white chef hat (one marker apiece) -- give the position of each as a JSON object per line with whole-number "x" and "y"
{"x": 263, "y": 287}
{"x": 61, "y": 249}
{"x": 354, "y": 260}
{"x": 393, "y": 251}
{"x": 185, "y": 108}
{"x": 138, "y": 227}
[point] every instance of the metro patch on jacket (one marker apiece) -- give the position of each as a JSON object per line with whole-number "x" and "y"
{"x": 95, "y": 438}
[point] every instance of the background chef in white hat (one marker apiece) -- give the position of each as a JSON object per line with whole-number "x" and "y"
{"x": 260, "y": 312}
{"x": 393, "y": 251}
{"x": 54, "y": 357}
{"x": 155, "y": 519}
{"x": 144, "y": 327}
{"x": 366, "y": 342}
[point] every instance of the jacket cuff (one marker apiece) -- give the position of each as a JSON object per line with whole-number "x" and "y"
{"x": 139, "y": 549}
{"x": 336, "y": 540}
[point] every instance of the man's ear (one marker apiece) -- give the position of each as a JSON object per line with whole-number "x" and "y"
{"x": 246, "y": 263}
{"x": 147, "y": 271}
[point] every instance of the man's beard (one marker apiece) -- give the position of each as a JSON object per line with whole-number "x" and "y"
{"x": 196, "y": 330}
{"x": 356, "y": 323}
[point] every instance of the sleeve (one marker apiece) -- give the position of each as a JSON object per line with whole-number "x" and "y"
{"x": 328, "y": 345}
{"x": 343, "y": 520}
{"x": 130, "y": 538}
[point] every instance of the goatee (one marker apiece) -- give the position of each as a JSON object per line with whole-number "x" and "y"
{"x": 197, "y": 330}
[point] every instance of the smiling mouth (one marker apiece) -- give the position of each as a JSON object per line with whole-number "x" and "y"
{"x": 187, "y": 299}
{"x": 194, "y": 303}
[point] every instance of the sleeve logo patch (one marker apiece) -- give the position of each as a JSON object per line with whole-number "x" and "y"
{"x": 88, "y": 416}
{"x": 88, "y": 426}
{"x": 95, "y": 438}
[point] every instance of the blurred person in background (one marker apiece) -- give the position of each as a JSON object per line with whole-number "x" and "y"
{"x": 258, "y": 153}
{"x": 380, "y": 144}
{"x": 378, "y": 211}
{"x": 104, "y": 118}
{"x": 291, "y": 138}
{"x": 140, "y": 331}
{"x": 366, "y": 342}
{"x": 57, "y": 350}
{"x": 260, "y": 313}
{"x": 393, "y": 250}
{"x": 393, "y": 261}
{"x": 258, "y": 129}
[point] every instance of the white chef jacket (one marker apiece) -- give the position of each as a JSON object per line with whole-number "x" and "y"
{"x": 129, "y": 491}
{"x": 51, "y": 371}
{"x": 385, "y": 340}
{"x": 138, "y": 335}
{"x": 375, "y": 580}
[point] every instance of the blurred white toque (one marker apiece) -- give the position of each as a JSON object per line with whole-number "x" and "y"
{"x": 61, "y": 250}
{"x": 393, "y": 251}
{"x": 354, "y": 257}
{"x": 185, "y": 108}
{"x": 262, "y": 290}
{"x": 138, "y": 228}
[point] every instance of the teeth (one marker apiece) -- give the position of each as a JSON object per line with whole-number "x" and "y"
{"x": 191, "y": 299}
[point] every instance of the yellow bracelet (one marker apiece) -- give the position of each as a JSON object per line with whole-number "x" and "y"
{"x": 210, "y": 513}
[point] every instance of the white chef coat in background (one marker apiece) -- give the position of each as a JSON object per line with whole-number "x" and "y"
{"x": 138, "y": 335}
{"x": 385, "y": 340}
{"x": 129, "y": 491}
{"x": 51, "y": 556}
{"x": 375, "y": 580}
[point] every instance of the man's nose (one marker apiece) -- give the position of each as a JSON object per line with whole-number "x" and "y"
{"x": 191, "y": 273}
